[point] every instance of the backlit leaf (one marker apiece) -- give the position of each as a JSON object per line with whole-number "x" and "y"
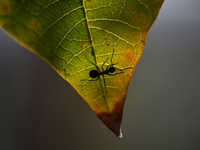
{"x": 77, "y": 36}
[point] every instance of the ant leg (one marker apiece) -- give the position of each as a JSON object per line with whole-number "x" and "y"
{"x": 124, "y": 68}
{"x": 90, "y": 79}
{"x": 112, "y": 56}
{"x": 103, "y": 64}
{"x": 93, "y": 63}
{"x": 94, "y": 79}
{"x": 115, "y": 73}
{"x": 111, "y": 65}
{"x": 111, "y": 61}
{"x": 121, "y": 71}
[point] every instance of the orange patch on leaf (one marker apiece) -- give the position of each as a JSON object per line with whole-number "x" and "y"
{"x": 143, "y": 43}
{"x": 35, "y": 23}
{"x": 137, "y": 17}
{"x": 5, "y": 7}
{"x": 128, "y": 55}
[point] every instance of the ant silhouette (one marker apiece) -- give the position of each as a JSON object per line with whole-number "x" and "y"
{"x": 109, "y": 70}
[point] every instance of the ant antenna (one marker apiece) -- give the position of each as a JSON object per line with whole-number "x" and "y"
{"x": 92, "y": 63}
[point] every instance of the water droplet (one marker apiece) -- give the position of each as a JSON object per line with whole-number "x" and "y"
{"x": 120, "y": 134}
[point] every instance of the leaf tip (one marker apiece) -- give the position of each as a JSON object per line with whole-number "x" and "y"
{"x": 113, "y": 119}
{"x": 120, "y": 135}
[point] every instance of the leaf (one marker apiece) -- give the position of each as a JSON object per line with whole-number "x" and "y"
{"x": 66, "y": 32}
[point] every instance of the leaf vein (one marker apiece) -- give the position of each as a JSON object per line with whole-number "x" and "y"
{"x": 58, "y": 20}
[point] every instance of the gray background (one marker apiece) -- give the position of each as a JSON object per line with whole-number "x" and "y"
{"x": 39, "y": 110}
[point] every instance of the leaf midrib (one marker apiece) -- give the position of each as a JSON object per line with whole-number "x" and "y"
{"x": 95, "y": 55}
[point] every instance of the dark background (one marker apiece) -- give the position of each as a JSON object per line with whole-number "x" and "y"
{"x": 39, "y": 110}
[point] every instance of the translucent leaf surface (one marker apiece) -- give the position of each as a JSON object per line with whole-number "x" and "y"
{"x": 77, "y": 36}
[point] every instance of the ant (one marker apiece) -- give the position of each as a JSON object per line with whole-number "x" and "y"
{"x": 109, "y": 70}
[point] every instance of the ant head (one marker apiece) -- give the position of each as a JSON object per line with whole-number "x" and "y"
{"x": 111, "y": 69}
{"x": 93, "y": 73}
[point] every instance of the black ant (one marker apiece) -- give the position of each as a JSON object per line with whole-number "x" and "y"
{"x": 109, "y": 69}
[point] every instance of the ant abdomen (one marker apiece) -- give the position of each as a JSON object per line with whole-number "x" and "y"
{"x": 93, "y": 73}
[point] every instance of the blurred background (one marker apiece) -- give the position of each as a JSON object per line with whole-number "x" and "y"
{"x": 39, "y": 110}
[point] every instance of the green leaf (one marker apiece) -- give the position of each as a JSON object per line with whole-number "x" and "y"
{"x": 66, "y": 32}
